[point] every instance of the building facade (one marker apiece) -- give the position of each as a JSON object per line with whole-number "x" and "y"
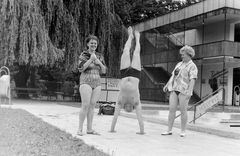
{"x": 212, "y": 28}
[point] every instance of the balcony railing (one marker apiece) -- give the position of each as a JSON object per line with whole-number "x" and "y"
{"x": 214, "y": 49}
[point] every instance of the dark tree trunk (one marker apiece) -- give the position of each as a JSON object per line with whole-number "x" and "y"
{"x": 21, "y": 80}
{"x": 32, "y": 83}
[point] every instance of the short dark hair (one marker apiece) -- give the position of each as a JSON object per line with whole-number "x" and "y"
{"x": 92, "y": 37}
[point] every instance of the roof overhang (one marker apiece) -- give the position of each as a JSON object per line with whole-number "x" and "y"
{"x": 187, "y": 13}
{"x": 227, "y": 60}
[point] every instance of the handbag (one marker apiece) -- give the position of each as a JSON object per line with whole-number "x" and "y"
{"x": 107, "y": 108}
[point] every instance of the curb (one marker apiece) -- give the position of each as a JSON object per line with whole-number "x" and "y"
{"x": 197, "y": 128}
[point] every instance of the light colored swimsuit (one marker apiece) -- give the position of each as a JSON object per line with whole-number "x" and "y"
{"x": 181, "y": 76}
{"x": 91, "y": 75}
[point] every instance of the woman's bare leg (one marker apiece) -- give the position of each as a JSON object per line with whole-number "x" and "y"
{"x": 86, "y": 94}
{"x": 95, "y": 97}
{"x": 183, "y": 104}
{"x": 125, "y": 59}
{"x": 136, "y": 60}
{"x": 173, "y": 103}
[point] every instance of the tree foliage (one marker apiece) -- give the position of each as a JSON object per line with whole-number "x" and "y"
{"x": 135, "y": 11}
{"x": 52, "y": 33}
{"x": 24, "y": 38}
{"x": 98, "y": 17}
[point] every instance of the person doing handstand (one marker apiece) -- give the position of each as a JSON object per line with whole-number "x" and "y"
{"x": 129, "y": 97}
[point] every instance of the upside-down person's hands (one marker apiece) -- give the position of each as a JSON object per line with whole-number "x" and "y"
{"x": 112, "y": 131}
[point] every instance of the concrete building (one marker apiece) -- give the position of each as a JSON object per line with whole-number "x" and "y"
{"x": 212, "y": 28}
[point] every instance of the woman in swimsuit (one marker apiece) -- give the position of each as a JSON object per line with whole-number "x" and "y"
{"x": 180, "y": 86}
{"x": 129, "y": 97}
{"x": 91, "y": 65}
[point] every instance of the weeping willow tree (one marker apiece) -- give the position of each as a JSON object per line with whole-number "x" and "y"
{"x": 98, "y": 17}
{"x": 24, "y": 39}
{"x": 38, "y": 33}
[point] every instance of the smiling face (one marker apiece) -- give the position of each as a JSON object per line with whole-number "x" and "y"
{"x": 92, "y": 45}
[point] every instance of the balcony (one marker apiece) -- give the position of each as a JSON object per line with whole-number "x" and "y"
{"x": 222, "y": 48}
{"x": 215, "y": 49}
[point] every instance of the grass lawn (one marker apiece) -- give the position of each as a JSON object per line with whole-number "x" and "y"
{"x": 23, "y": 134}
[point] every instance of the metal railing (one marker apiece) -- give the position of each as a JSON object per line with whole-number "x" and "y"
{"x": 201, "y": 101}
{"x": 169, "y": 36}
{"x": 172, "y": 37}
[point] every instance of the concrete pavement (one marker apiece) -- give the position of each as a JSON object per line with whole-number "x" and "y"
{"x": 125, "y": 142}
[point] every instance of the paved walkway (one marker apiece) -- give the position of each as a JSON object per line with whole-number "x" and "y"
{"x": 126, "y": 142}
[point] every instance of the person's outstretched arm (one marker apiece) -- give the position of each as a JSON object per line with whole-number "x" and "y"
{"x": 116, "y": 113}
{"x": 138, "y": 109}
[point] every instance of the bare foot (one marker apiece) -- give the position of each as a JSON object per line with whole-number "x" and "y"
{"x": 130, "y": 32}
{"x": 137, "y": 34}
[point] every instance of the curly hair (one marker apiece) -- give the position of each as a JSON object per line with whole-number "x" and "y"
{"x": 188, "y": 50}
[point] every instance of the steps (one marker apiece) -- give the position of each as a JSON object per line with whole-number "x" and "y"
{"x": 233, "y": 121}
